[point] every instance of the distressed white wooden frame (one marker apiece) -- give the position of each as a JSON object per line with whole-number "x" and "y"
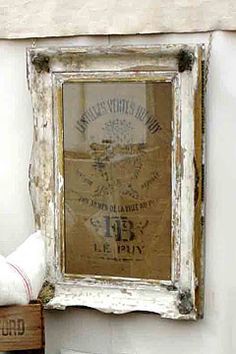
{"x": 48, "y": 69}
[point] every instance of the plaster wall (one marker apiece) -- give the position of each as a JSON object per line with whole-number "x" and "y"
{"x": 88, "y": 330}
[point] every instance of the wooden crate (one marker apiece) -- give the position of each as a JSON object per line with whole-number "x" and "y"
{"x": 22, "y": 328}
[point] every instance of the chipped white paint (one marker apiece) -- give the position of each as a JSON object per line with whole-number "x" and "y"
{"x": 51, "y": 67}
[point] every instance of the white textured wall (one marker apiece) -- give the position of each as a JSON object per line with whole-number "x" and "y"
{"x": 88, "y": 330}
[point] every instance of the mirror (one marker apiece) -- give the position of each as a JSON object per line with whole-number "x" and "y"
{"x": 116, "y": 176}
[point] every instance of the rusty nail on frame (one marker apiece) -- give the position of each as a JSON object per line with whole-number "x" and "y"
{"x": 185, "y": 304}
{"x": 41, "y": 63}
{"x": 185, "y": 60}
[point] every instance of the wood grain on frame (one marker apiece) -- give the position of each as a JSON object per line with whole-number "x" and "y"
{"x": 50, "y": 69}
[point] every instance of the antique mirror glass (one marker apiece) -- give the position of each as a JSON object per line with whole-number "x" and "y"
{"x": 117, "y": 169}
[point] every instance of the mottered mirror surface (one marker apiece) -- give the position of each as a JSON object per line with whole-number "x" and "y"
{"x": 117, "y": 178}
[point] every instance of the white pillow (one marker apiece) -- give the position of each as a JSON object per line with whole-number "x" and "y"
{"x": 22, "y": 273}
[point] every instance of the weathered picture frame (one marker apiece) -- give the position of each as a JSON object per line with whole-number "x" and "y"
{"x": 48, "y": 70}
